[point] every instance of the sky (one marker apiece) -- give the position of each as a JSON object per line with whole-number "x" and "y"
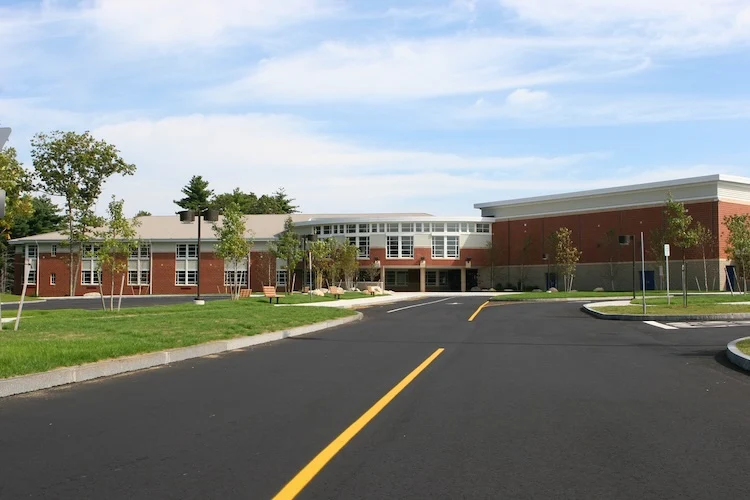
{"x": 384, "y": 105}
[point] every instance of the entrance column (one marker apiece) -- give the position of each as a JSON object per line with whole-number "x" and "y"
{"x": 422, "y": 277}
{"x": 463, "y": 279}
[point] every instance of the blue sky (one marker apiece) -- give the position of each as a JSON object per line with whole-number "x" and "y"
{"x": 422, "y": 105}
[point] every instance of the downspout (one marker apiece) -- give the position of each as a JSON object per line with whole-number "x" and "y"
{"x": 150, "y": 268}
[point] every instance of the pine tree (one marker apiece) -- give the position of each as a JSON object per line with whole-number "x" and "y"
{"x": 197, "y": 195}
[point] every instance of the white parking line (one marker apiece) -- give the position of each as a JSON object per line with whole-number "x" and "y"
{"x": 661, "y": 325}
{"x": 419, "y": 305}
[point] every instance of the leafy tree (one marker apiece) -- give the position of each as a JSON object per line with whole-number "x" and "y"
{"x": 704, "y": 238}
{"x": 16, "y": 182}
{"x": 232, "y": 245}
{"x": 197, "y": 195}
{"x": 118, "y": 239}
{"x": 143, "y": 213}
{"x": 322, "y": 260}
{"x": 566, "y": 256}
{"x": 288, "y": 248}
{"x": 44, "y": 218}
{"x": 76, "y": 166}
{"x": 345, "y": 264}
{"x": 738, "y": 242}
{"x": 247, "y": 202}
{"x": 680, "y": 232}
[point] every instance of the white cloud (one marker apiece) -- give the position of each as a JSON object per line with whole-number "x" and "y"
{"x": 424, "y": 68}
{"x": 527, "y": 98}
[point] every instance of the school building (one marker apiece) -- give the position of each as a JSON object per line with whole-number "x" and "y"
{"x": 507, "y": 246}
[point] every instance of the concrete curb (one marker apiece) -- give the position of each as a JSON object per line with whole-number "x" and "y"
{"x": 736, "y": 356}
{"x": 571, "y": 299}
{"x": 661, "y": 317}
{"x": 89, "y": 371}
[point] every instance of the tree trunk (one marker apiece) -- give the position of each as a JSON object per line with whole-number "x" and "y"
{"x": 705, "y": 269}
{"x": 122, "y": 287}
{"x": 112, "y": 289}
{"x": 101, "y": 295}
{"x": 70, "y": 250}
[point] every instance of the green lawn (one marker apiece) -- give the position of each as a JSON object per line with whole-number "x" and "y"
{"x": 744, "y": 346}
{"x": 9, "y": 297}
{"x": 50, "y": 339}
{"x": 676, "y": 309}
{"x": 303, "y": 298}
{"x": 695, "y": 299}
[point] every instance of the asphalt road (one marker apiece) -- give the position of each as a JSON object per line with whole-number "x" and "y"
{"x": 526, "y": 401}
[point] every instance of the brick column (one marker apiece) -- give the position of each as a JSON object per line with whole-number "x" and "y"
{"x": 463, "y": 279}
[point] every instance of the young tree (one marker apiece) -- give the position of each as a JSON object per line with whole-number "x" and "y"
{"x": 75, "y": 166}
{"x": 611, "y": 244}
{"x": 494, "y": 255}
{"x": 288, "y": 247}
{"x": 566, "y": 256}
{"x": 232, "y": 245}
{"x": 704, "y": 239}
{"x": 738, "y": 243}
{"x": 680, "y": 232}
{"x": 264, "y": 265}
{"x": 118, "y": 238}
{"x": 322, "y": 260}
{"x": 525, "y": 249}
{"x": 345, "y": 264}
{"x": 197, "y": 195}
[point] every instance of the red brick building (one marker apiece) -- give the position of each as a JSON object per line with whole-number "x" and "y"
{"x": 429, "y": 253}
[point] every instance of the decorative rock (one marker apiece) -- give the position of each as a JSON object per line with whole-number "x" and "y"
{"x": 388, "y": 292}
{"x": 552, "y": 290}
{"x": 92, "y": 294}
{"x": 598, "y": 289}
{"x": 491, "y": 290}
{"x": 318, "y": 293}
{"x": 536, "y": 290}
{"x": 476, "y": 289}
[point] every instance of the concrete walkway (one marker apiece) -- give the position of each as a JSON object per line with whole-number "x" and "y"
{"x": 380, "y": 300}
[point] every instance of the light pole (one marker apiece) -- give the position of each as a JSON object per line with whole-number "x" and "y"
{"x": 305, "y": 239}
{"x": 624, "y": 240}
{"x": 187, "y": 217}
{"x": 545, "y": 257}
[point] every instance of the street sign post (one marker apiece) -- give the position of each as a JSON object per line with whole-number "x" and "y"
{"x": 666, "y": 255}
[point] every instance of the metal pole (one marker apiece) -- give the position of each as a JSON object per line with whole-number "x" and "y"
{"x": 309, "y": 261}
{"x": 669, "y": 300}
{"x": 198, "y": 276}
{"x": 643, "y": 274}
{"x": 633, "y": 242}
{"x": 684, "y": 282}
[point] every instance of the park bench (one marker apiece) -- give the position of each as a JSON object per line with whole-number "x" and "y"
{"x": 270, "y": 293}
{"x": 245, "y": 292}
{"x": 336, "y": 291}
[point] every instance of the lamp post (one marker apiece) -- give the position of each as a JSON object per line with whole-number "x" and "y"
{"x": 625, "y": 240}
{"x": 545, "y": 257}
{"x": 187, "y": 217}
{"x": 305, "y": 239}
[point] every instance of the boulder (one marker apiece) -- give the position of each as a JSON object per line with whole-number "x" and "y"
{"x": 491, "y": 290}
{"x": 476, "y": 289}
{"x": 537, "y": 290}
{"x": 598, "y": 289}
{"x": 318, "y": 293}
{"x": 92, "y": 294}
{"x": 377, "y": 290}
{"x": 552, "y": 290}
{"x": 388, "y": 292}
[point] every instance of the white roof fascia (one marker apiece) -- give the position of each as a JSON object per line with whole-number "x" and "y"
{"x": 619, "y": 189}
{"x": 364, "y": 220}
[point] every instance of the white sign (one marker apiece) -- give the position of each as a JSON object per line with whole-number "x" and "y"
{"x": 4, "y": 134}
{"x": 666, "y": 250}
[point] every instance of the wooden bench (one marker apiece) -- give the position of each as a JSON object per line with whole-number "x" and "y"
{"x": 336, "y": 291}
{"x": 245, "y": 293}
{"x": 270, "y": 293}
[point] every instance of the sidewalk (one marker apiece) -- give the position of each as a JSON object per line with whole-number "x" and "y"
{"x": 390, "y": 299}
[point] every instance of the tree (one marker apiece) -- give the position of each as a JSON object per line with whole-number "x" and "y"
{"x": 704, "y": 238}
{"x": 118, "y": 239}
{"x": 494, "y": 255}
{"x": 345, "y": 264}
{"x": 232, "y": 245}
{"x": 611, "y": 243}
{"x": 197, "y": 195}
{"x": 679, "y": 232}
{"x": 288, "y": 248}
{"x": 738, "y": 242}
{"x": 44, "y": 218}
{"x": 16, "y": 182}
{"x": 525, "y": 249}
{"x": 249, "y": 203}
{"x": 75, "y": 166}
{"x": 246, "y": 202}
{"x": 143, "y": 213}
{"x": 566, "y": 256}
{"x": 322, "y": 260}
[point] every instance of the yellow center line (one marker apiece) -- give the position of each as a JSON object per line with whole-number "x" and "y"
{"x": 471, "y": 318}
{"x": 303, "y": 477}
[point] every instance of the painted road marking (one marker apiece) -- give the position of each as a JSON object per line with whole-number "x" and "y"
{"x": 661, "y": 325}
{"x": 471, "y": 318}
{"x": 419, "y": 305}
{"x": 303, "y": 477}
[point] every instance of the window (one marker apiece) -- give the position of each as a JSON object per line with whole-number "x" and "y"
{"x": 392, "y": 227}
{"x": 139, "y": 264}
{"x": 364, "y": 247}
{"x": 186, "y": 264}
{"x": 352, "y": 240}
{"x": 464, "y": 227}
{"x": 232, "y": 278}
{"x": 418, "y": 227}
{"x": 400, "y": 246}
{"x": 53, "y": 279}
{"x": 431, "y": 278}
{"x": 396, "y": 278}
{"x": 438, "y": 227}
{"x": 407, "y": 227}
{"x": 483, "y": 228}
{"x": 364, "y": 228}
{"x": 318, "y": 229}
{"x": 377, "y": 228}
{"x": 143, "y": 251}
{"x": 326, "y": 229}
{"x": 53, "y": 251}
{"x": 351, "y": 228}
{"x": 32, "y": 277}
{"x": 281, "y": 277}
{"x": 32, "y": 251}
{"x": 445, "y": 247}
{"x": 451, "y": 227}
{"x": 90, "y": 275}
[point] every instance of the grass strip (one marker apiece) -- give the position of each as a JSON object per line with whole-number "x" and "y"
{"x": 51, "y": 339}
{"x": 744, "y": 346}
{"x": 302, "y": 298}
{"x": 675, "y": 309}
